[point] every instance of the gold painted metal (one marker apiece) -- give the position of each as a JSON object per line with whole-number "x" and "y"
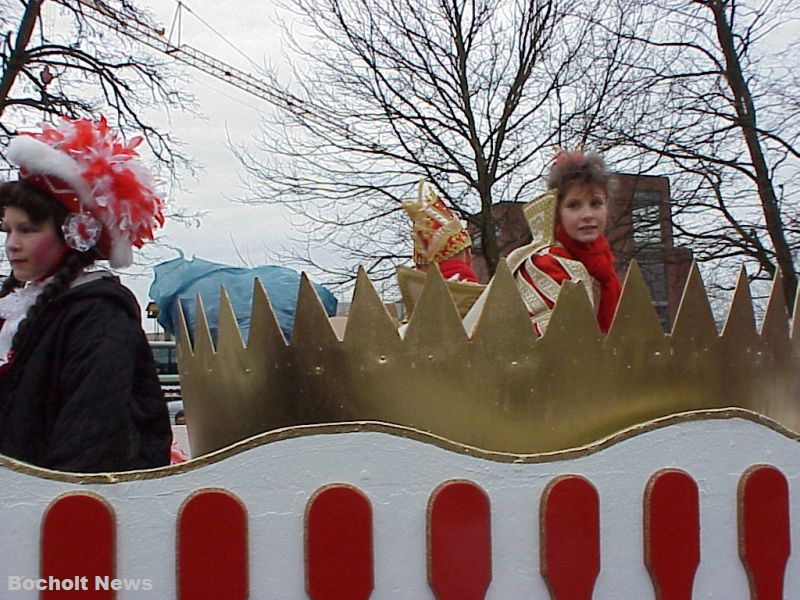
{"x": 740, "y": 323}
{"x": 503, "y": 311}
{"x": 368, "y": 324}
{"x": 412, "y": 282}
{"x": 502, "y": 390}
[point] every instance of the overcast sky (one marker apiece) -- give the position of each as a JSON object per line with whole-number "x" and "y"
{"x": 241, "y": 31}
{"x": 235, "y": 32}
{"x": 256, "y": 233}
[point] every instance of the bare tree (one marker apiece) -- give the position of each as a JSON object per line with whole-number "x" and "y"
{"x": 83, "y": 70}
{"x": 717, "y": 111}
{"x": 470, "y": 95}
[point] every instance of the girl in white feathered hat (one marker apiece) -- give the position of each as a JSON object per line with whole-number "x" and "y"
{"x": 78, "y": 384}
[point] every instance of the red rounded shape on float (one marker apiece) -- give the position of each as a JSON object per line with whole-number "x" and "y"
{"x": 338, "y": 544}
{"x": 459, "y": 541}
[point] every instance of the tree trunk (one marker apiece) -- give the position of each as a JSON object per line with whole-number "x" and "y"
{"x": 745, "y": 111}
{"x": 18, "y": 56}
{"x": 489, "y": 247}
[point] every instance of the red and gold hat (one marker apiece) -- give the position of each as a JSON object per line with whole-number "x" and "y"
{"x": 437, "y": 232}
{"x": 99, "y": 178}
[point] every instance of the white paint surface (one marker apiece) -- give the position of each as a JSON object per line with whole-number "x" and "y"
{"x": 275, "y": 480}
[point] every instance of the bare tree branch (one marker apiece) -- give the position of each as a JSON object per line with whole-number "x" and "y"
{"x": 472, "y": 95}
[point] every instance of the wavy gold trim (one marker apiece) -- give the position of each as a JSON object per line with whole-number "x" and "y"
{"x": 540, "y": 213}
{"x": 542, "y": 281}
{"x": 328, "y": 429}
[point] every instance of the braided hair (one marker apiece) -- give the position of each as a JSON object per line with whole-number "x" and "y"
{"x": 40, "y": 207}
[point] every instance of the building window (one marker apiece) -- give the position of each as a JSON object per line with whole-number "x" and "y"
{"x": 652, "y": 267}
{"x": 646, "y": 216}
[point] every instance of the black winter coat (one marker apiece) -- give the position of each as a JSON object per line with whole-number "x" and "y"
{"x": 82, "y": 393}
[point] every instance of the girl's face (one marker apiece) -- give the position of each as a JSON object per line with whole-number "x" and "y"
{"x": 32, "y": 248}
{"x": 583, "y": 212}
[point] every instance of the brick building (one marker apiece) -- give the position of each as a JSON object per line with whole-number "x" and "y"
{"x": 639, "y": 226}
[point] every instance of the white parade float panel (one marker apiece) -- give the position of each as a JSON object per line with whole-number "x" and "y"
{"x": 275, "y": 475}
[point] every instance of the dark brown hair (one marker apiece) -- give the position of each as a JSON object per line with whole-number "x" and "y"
{"x": 577, "y": 167}
{"x": 41, "y": 207}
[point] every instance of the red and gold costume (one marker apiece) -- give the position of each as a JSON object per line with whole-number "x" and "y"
{"x": 541, "y": 267}
{"x": 438, "y": 235}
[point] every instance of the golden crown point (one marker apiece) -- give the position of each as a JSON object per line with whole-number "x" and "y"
{"x": 498, "y": 388}
{"x": 412, "y": 281}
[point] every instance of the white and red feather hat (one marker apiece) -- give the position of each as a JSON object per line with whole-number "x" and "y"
{"x": 86, "y": 167}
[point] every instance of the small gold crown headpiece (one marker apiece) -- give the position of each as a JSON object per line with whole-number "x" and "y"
{"x": 437, "y": 232}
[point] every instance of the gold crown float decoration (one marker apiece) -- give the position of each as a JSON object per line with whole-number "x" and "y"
{"x": 500, "y": 389}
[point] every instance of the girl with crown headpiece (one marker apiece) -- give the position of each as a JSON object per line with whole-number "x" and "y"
{"x": 78, "y": 384}
{"x": 568, "y": 226}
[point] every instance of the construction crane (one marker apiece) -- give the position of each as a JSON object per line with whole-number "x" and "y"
{"x": 154, "y": 38}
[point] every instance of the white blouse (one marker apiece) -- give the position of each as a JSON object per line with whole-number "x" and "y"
{"x": 13, "y": 309}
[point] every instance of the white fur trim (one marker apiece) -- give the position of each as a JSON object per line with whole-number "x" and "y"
{"x": 37, "y": 158}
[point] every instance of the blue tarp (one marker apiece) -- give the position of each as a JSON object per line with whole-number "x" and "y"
{"x": 181, "y": 280}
